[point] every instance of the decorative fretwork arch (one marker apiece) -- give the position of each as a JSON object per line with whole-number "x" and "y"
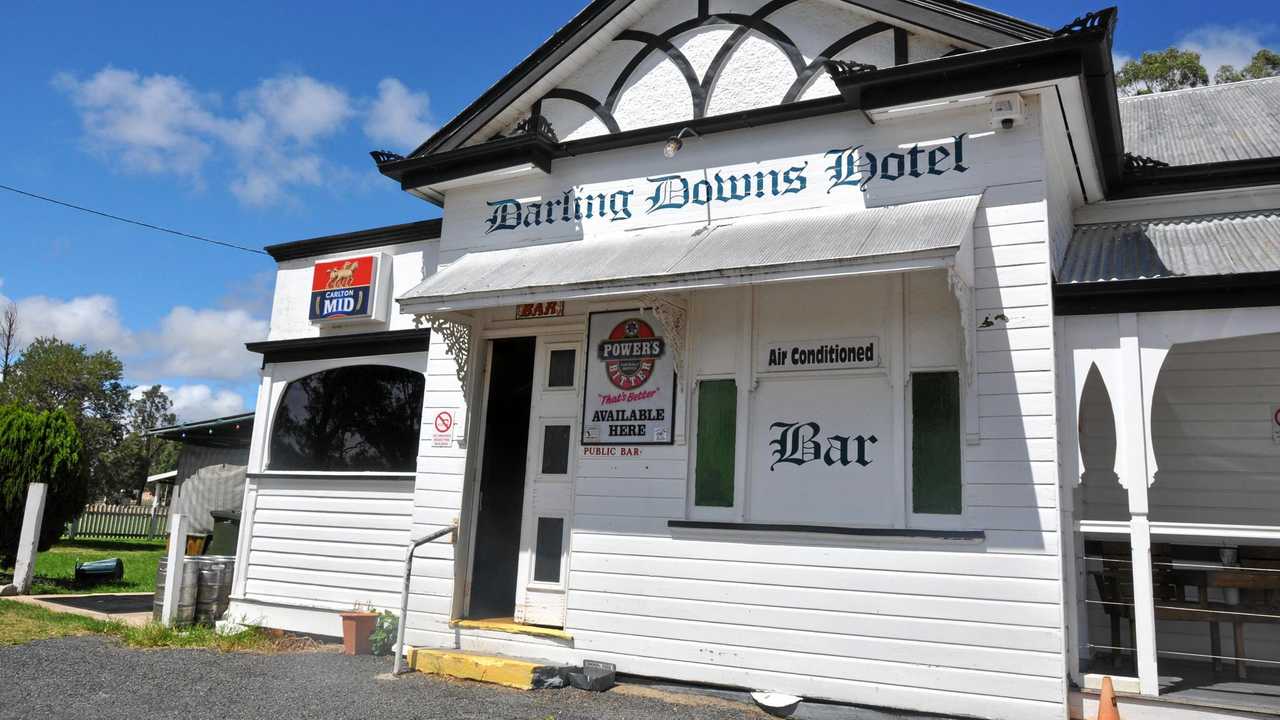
{"x": 700, "y": 89}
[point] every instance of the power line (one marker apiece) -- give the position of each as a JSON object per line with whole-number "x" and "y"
{"x": 139, "y": 223}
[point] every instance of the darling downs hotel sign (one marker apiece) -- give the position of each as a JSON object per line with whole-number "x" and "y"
{"x": 853, "y": 166}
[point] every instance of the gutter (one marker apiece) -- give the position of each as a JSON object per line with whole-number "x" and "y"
{"x": 1081, "y": 50}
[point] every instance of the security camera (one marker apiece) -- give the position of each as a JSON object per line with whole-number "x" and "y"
{"x": 1007, "y": 111}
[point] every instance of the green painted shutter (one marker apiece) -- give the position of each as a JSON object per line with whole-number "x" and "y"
{"x": 717, "y": 425}
{"x": 935, "y": 443}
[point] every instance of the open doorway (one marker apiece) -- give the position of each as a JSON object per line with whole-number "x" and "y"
{"x": 502, "y": 478}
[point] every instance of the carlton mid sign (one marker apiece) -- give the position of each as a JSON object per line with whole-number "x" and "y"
{"x": 855, "y": 166}
{"x": 343, "y": 289}
{"x": 629, "y": 398}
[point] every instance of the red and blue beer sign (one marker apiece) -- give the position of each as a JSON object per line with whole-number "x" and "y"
{"x": 343, "y": 289}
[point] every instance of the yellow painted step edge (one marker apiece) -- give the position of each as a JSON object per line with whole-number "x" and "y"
{"x": 507, "y": 626}
{"x": 507, "y": 672}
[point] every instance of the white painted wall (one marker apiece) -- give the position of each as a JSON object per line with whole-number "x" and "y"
{"x": 411, "y": 262}
{"x": 758, "y": 73}
{"x": 974, "y": 630}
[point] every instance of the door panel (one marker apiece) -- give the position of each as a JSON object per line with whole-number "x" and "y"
{"x": 548, "y": 507}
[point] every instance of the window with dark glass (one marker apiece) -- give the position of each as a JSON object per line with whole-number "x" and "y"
{"x": 363, "y": 417}
{"x": 560, "y": 368}
{"x": 550, "y": 545}
{"x": 935, "y": 443}
{"x": 555, "y": 449}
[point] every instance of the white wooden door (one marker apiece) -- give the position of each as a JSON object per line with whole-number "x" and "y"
{"x": 548, "y": 495}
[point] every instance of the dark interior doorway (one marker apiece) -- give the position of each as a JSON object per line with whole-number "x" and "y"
{"x": 506, "y": 440}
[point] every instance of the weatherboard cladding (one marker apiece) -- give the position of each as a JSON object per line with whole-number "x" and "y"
{"x": 1187, "y": 247}
{"x": 1220, "y": 123}
{"x": 779, "y": 240}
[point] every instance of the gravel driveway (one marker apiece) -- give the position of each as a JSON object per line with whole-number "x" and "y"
{"x": 92, "y": 677}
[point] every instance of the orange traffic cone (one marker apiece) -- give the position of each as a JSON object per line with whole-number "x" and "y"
{"x": 1107, "y": 709}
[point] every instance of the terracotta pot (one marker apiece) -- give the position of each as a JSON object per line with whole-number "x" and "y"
{"x": 357, "y": 626}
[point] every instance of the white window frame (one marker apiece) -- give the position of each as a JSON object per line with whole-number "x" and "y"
{"x": 933, "y": 521}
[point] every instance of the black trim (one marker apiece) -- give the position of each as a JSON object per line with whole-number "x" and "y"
{"x": 1163, "y": 294}
{"x": 901, "y": 46}
{"x": 359, "y": 240}
{"x": 969, "y": 23}
{"x": 474, "y": 159}
{"x": 1193, "y": 178}
{"x": 653, "y": 42}
{"x": 1084, "y": 54}
{"x": 819, "y": 63}
{"x": 831, "y": 530}
{"x": 328, "y": 347}
{"x": 592, "y": 104}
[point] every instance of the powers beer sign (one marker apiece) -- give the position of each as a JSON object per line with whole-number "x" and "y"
{"x": 630, "y": 390}
{"x": 343, "y": 289}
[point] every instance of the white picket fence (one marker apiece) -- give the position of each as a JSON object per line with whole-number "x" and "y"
{"x": 120, "y": 521}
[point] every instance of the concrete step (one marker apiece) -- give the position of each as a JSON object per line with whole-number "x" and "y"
{"x": 509, "y": 672}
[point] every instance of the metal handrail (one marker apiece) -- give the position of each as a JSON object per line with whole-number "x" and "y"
{"x": 404, "y": 595}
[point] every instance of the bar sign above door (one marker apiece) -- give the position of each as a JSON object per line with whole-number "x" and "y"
{"x": 533, "y": 311}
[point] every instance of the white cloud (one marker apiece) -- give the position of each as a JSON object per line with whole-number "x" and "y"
{"x": 201, "y": 402}
{"x": 91, "y": 320}
{"x": 398, "y": 116}
{"x": 160, "y": 124}
{"x": 1220, "y": 45}
{"x": 204, "y": 343}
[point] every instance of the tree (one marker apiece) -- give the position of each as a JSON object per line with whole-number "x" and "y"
{"x": 1264, "y": 64}
{"x": 140, "y": 454}
{"x": 51, "y": 375}
{"x": 38, "y": 447}
{"x": 1171, "y": 69}
{"x": 8, "y": 338}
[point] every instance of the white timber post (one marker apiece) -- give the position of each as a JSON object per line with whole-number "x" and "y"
{"x": 173, "y": 575}
{"x": 1131, "y": 437}
{"x": 32, "y": 518}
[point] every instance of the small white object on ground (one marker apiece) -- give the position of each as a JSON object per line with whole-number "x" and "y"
{"x": 229, "y": 627}
{"x": 778, "y": 704}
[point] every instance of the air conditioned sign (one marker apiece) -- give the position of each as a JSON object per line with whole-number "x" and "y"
{"x": 837, "y": 354}
{"x": 629, "y": 396}
{"x": 343, "y": 289}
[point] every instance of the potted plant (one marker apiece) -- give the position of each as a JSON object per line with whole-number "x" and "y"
{"x": 357, "y": 626}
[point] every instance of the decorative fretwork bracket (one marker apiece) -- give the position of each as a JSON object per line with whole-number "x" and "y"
{"x": 536, "y": 125}
{"x": 671, "y": 315}
{"x": 1141, "y": 163}
{"x": 382, "y": 157}
{"x": 969, "y": 372}
{"x": 1102, "y": 20}
{"x": 457, "y": 340}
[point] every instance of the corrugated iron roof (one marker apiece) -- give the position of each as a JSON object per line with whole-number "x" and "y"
{"x": 776, "y": 242}
{"x": 1219, "y": 123}
{"x": 1188, "y": 247}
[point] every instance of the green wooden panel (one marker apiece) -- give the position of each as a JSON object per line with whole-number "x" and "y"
{"x": 717, "y": 424}
{"x": 935, "y": 443}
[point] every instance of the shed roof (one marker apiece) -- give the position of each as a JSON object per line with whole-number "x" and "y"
{"x": 1203, "y": 246}
{"x": 229, "y": 431}
{"x": 1218, "y": 123}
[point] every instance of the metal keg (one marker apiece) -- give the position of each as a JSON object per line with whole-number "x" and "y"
{"x": 214, "y": 586}
{"x": 186, "y": 591}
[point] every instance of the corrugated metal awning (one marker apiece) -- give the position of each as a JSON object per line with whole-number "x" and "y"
{"x": 781, "y": 246}
{"x": 1209, "y": 245}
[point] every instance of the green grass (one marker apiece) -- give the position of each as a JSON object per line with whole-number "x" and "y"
{"x": 22, "y": 623}
{"x": 56, "y": 567}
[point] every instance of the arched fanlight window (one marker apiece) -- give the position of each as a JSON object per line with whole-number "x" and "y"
{"x": 363, "y": 417}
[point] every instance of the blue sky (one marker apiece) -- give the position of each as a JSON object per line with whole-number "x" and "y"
{"x": 250, "y": 122}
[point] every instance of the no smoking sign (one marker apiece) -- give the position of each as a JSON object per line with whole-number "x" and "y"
{"x": 443, "y": 425}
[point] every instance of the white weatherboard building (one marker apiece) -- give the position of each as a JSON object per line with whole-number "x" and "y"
{"x": 869, "y": 351}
